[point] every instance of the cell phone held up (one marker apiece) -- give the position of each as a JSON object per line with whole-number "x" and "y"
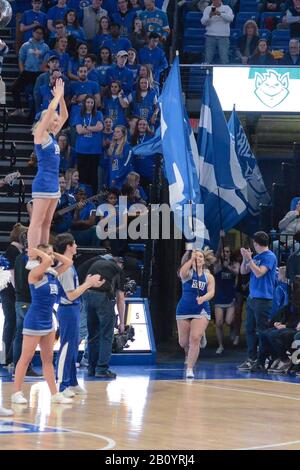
{"x": 213, "y": 9}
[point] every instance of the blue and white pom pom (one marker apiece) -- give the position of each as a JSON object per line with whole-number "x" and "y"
{"x": 5, "y": 275}
{"x": 4, "y": 278}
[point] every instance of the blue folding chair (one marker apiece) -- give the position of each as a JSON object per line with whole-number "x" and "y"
{"x": 281, "y": 38}
{"x": 244, "y": 16}
{"x": 248, "y": 5}
{"x": 193, "y": 37}
{"x": 196, "y": 80}
{"x": 192, "y": 19}
{"x": 265, "y": 34}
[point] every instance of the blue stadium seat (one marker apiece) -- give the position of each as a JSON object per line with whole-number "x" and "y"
{"x": 193, "y": 37}
{"x": 280, "y": 39}
{"x": 248, "y": 5}
{"x": 241, "y": 18}
{"x": 193, "y": 19}
{"x": 194, "y": 49}
{"x": 294, "y": 203}
{"x": 235, "y": 34}
{"x": 197, "y": 77}
{"x": 275, "y": 14}
{"x": 265, "y": 34}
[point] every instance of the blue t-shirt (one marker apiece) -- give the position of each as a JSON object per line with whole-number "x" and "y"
{"x": 74, "y": 65}
{"x": 145, "y": 107}
{"x": 98, "y": 42}
{"x": 28, "y": 18}
{"x": 156, "y": 58}
{"x": 89, "y": 144}
{"x": 63, "y": 58}
{"x": 263, "y": 287}
{"x": 124, "y": 21}
{"x": 57, "y": 13}
{"x": 81, "y": 88}
{"x": 77, "y": 33}
{"x": 116, "y": 45}
{"x": 86, "y": 211}
{"x": 102, "y": 69}
{"x": 120, "y": 74}
{"x": 113, "y": 109}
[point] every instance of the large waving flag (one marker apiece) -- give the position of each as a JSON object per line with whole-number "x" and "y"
{"x": 215, "y": 143}
{"x": 255, "y": 192}
{"x": 219, "y": 170}
{"x": 184, "y": 187}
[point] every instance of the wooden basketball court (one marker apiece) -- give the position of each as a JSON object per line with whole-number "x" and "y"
{"x": 136, "y": 412}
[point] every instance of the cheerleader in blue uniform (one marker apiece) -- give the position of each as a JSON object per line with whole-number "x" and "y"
{"x": 226, "y": 271}
{"x": 68, "y": 315}
{"x": 45, "y": 186}
{"x": 193, "y": 310}
{"x": 38, "y": 325}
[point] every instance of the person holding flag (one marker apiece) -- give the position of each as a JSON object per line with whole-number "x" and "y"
{"x": 193, "y": 310}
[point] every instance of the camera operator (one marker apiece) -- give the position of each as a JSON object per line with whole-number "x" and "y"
{"x": 100, "y": 308}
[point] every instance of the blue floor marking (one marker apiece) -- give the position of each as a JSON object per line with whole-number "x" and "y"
{"x": 175, "y": 371}
{"x": 9, "y": 426}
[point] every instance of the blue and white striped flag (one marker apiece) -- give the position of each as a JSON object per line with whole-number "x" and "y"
{"x": 184, "y": 187}
{"x": 255, "y": 192}
{"x": 219, "y": 170}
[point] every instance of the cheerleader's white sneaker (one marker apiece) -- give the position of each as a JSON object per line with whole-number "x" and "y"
{"x": 59, "y": 398}
{"x": 77, "y": 390}
{"x": 68, "y": 393}
{"x": 5, "y": 412}
{"x": 18, "y": 398}
{"x": 190, "y": 374}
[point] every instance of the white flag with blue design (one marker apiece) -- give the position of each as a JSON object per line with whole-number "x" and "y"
{"x": 184, "y": 187}
{"x": 220, "y": 173}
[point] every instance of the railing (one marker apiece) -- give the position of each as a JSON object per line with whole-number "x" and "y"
{"x": 283, "y": 244}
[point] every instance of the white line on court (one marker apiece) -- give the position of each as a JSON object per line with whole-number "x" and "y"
{"x": 267, "y": 446}
{"x": 274, "y": 395}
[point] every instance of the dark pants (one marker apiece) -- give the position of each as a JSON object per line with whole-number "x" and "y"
{"x": 88, "y": 170}
{"x": 257, "y": 321}
{"x": 23, "y": 80}
{"x": 275, "y": 342}
{"x": 21, "y": 310}
{"x": 100, "y": 322}
{"x": 9, "y": 328}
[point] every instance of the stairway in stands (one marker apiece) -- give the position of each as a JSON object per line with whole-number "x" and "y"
{"x": 19, "y": 134}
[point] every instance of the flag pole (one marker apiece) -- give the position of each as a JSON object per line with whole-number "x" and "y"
{"x": 190, "y": 202}
{"x": 198, "y": 289}
{"x": 221, "y": 224}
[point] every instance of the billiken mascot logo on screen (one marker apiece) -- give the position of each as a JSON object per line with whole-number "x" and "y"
{"x": 271, "y": 88}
